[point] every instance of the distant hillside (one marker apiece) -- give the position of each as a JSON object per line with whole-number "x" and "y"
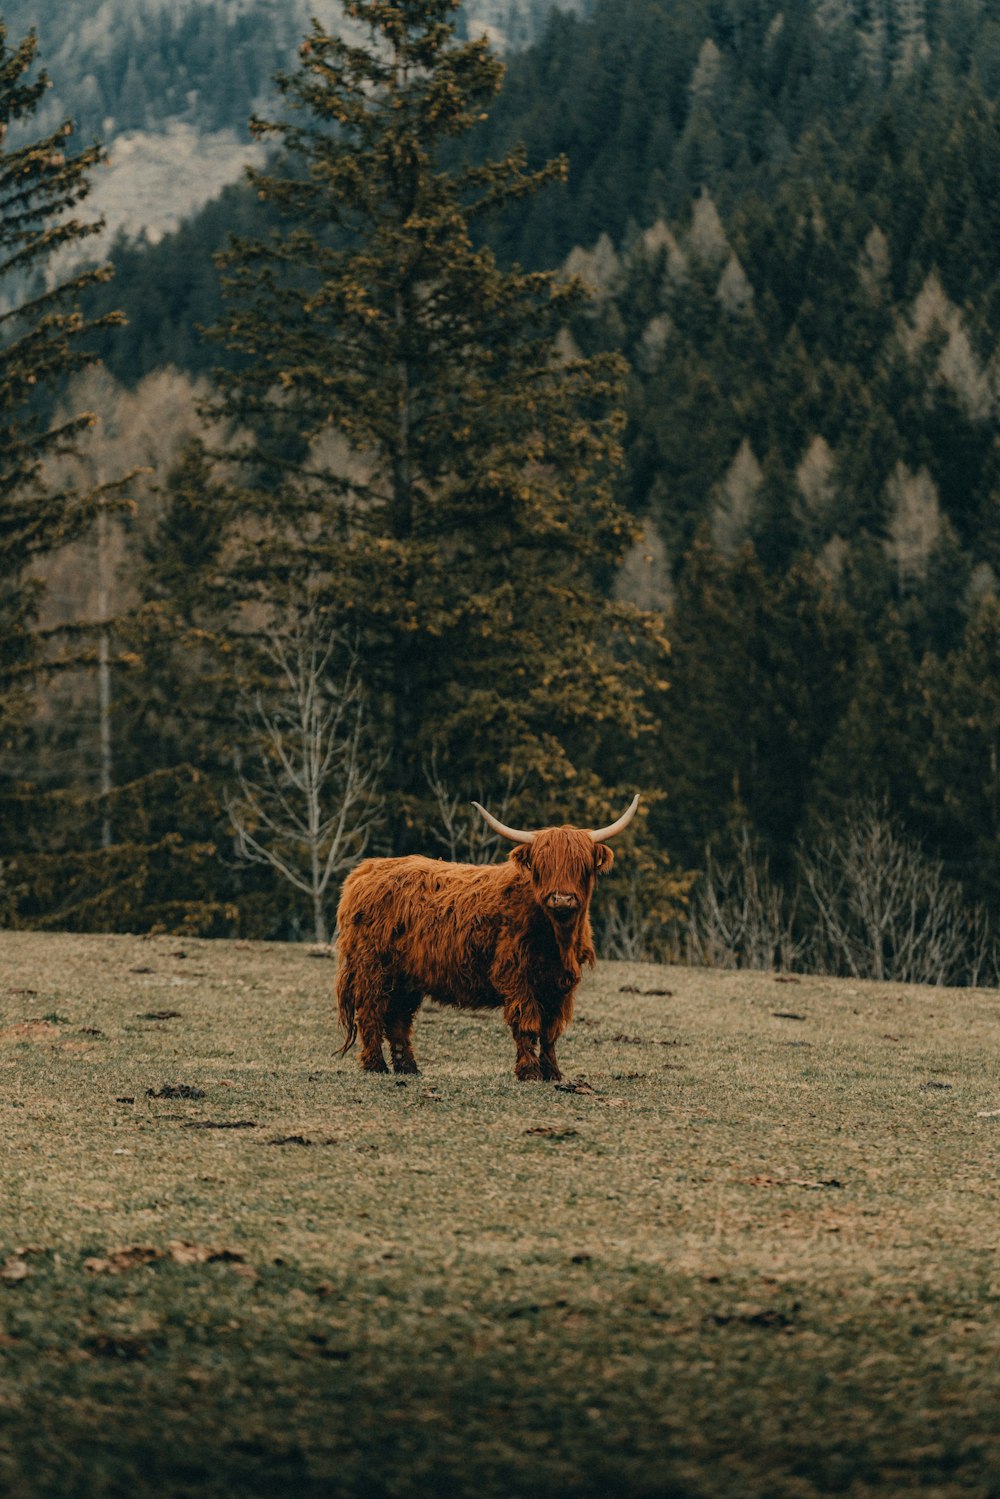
{"x": 168, "y": 85}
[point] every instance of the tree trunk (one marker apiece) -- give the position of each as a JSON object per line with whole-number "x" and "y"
{"x": 104, "y": 673}
{"x": 403, "y": 664}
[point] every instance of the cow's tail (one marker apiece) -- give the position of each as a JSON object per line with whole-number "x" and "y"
{"x": 345, "y": 1004}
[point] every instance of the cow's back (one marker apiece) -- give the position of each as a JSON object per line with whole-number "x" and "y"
{"x": 429, "y": 923}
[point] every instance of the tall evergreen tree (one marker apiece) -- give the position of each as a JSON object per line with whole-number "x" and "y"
{"x": 43, "y": 336}
{"x": 467, "y": 532}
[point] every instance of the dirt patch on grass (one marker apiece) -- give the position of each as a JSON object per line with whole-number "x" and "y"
{"x": 28, "y": 1030}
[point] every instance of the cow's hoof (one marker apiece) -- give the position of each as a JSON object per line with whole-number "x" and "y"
{"x": 528, "y": 1072}
{"x": 551, "y": 1075}
{"x": 408, "y": 1067}
{"x": 373, "y": 1064}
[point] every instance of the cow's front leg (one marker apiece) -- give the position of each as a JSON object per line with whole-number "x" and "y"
{"x": 552, "y": 1029}
{"x": 547, "y": 1063}
{"x": 527, "y": 1068}
{"x": 522, "y": 1013}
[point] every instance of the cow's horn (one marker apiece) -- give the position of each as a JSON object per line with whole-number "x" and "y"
{"x": 600, "y": 834}
{"x": 516, "y": 835}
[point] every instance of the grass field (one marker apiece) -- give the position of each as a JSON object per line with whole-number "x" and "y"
{"x": 751, "y": 1250}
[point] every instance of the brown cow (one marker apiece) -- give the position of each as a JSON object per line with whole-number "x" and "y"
{"x": 510, "y": 935}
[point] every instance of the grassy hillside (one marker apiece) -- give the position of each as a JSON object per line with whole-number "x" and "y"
{"x": 752, "y": 1249}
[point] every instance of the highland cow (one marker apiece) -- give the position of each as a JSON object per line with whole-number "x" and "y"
{"x": 511, "y": 936}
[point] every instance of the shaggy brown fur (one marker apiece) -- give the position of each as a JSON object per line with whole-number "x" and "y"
{"x": 510, "y": 935}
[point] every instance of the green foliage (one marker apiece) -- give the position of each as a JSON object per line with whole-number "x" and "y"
{"x": 761, "y": 670}
{"x": 957, "y": 752}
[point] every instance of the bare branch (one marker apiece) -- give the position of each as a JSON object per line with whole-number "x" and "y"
{"x": 464, "y": 836}
{"x": 312, "y": 803}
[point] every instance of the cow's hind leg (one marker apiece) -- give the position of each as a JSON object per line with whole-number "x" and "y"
{"x": 370, "y": 1003}
{"x": 399, "y": 1027}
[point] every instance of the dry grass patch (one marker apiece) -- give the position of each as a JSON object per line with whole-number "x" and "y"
{"x": 753, "y": 1248}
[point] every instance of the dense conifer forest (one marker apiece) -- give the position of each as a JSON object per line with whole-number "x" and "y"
{"x": 788, "y": 219}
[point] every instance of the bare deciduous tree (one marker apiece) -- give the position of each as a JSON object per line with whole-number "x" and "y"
{"x": 884, "y": 910}
{"x": 739, "y": 916}
{"x": 463, "y": 834}
{"x": 310, "y": 804}
{"x": 628, "y": 929}
{"x": 867, "y": 903}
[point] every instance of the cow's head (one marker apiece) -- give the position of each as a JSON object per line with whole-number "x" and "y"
{"x": 562, "y": 862}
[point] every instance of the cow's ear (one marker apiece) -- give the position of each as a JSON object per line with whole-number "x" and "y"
{"x": 603, "y": 858}
{"x": 521, "y": 855}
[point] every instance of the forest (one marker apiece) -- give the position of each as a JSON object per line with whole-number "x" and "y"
{"x": 698, "y": 497}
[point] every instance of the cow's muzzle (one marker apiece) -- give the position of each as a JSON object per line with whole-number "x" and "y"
{"x": 563, "y": 903}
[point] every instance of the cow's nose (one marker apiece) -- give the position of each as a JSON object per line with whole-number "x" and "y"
{"x": 560, "y": 900}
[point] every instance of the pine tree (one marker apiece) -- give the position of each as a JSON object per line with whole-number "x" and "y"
{"x": 957, "y": 753}
{"x": 760, "y": 672}
{"x": 429, "y": 463}
{"x": 43, "y": 336}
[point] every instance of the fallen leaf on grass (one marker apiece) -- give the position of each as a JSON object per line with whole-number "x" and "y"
{"x": 766, "y": 1180}
{"x": 634, "y": 989}
{"x": 13, "y": 1270}
{"x": 105, "y": 1346}
{"x": 117, "y": 1261}
{"x": 219, "y": 1124}
{"x": 160, "y": 1015}
{"x": 787, "y": 1015}
{"x": 578, "y": 1085}
{"x": 551, "y": 1132}
{"x": 183, "y": 1252}
{"x": 175, "y": 1090}
{"x": 136, "y": 1256}
{"x": 786, "y": 978}
{"x": 755, "y": 1317}
{"x": 934, "y": 1084}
